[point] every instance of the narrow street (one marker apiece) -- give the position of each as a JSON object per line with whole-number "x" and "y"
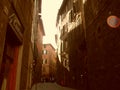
{"x": 59, "y": 44}
{"x": 49, "y": 86}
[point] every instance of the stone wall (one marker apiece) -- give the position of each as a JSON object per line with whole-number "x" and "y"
{"x": 102, "y": 45}
{"x": 4, "y": 10}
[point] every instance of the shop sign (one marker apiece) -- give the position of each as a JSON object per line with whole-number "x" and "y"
{"x": 16, "y": 26}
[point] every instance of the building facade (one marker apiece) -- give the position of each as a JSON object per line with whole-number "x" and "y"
{"x": 93, "y": 44}
{"x": 37, "y": 41}
{"x": 16, "y": 48}
{"x": 49, "y": 63}
{"x": 16, "y": 21}
{"x": 72, "y": 45}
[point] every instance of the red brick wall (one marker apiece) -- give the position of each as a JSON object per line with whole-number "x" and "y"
{"x": 51, "y": 58}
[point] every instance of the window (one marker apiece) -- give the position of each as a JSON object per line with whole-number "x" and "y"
{"x": 76, "y": 6}
{"x": 66, "y": 44}
{"x": 44, "y": 51}
{"x": 44, "y": 70}
{"x": 71, "y": 15}
{"x": 44, "y": 61}
{"x": 44, "y": 46}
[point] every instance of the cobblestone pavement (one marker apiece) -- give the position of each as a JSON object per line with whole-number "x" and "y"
{"x": 49, "y": 86}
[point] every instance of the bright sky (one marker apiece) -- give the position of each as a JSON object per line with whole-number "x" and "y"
{"x": 49, "y": 14}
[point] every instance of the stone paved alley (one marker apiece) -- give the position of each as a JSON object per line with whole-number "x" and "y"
{"x": 49, "y": 86}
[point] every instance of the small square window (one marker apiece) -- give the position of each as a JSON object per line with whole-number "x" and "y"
{"x": 44, "y": 51}
{"x": 44, "y": 61}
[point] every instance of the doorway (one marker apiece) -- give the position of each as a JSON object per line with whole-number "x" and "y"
{"x": 9, "y": 62}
